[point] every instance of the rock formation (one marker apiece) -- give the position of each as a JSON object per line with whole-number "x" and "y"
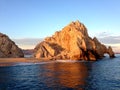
{"x": 8, "y": 48}
{"x": 110, "y": 52}
{"x": 72, "y": 42}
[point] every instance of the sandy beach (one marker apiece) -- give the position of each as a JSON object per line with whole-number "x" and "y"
{"x": 14, "y": 61}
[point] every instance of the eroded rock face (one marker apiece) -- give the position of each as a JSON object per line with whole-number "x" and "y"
{"x": 110, "y": 52}
{"x": 8, "y": 48}
{"x": 72, "y": 42}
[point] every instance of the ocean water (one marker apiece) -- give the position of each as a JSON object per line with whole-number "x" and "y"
{"x": 62, "y": 75}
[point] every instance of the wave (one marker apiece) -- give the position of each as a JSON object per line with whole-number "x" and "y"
{"x": 70, "y": 61}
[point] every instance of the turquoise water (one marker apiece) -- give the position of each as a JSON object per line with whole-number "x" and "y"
{"x": 62, "y": 75}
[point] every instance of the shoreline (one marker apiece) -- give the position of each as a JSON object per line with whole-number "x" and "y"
{"x": 30, "y": 60}
{"x": 17, "y": 61}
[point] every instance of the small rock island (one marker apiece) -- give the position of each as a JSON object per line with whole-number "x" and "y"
{"x": 72, "y": 43}
{"x": 8, "y": 49}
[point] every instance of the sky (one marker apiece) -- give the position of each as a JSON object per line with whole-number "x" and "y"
{"x": 34, "y": 20}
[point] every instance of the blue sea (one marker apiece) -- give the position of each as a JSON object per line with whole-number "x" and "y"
{"x": 62, "y": 75}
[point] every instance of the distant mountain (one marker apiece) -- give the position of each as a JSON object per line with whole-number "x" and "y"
{"x": 28, "y": 51}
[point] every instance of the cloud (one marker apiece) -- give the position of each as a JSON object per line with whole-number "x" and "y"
{"x": 27, "y": 43}
{"x": 113, "y": 41}
{"x": 110, "y": 39}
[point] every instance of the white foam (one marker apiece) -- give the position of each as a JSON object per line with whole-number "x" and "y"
{"x": 69, "y": 61}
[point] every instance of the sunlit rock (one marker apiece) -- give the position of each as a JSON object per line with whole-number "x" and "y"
{"x": 72, "y": 42}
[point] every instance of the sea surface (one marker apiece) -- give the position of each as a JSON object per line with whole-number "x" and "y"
{"x": 62, "y": 75}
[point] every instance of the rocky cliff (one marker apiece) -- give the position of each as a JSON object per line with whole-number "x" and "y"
{"x": 72, "y": 42}
{"x": 8, "y": 48}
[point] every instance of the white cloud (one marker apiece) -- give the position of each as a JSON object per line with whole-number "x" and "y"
{"x": 113, "y": 41}
{"x": 27, "y": 43}
{"x": 110, "y": 39}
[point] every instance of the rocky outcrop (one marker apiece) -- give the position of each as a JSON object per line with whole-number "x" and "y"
{"x": 110, "y": 52}
{"x": 8, "y": 48}
{"x": 72, "y": 42}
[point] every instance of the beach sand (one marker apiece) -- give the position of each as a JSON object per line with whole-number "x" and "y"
{"x": 15, "y": 61}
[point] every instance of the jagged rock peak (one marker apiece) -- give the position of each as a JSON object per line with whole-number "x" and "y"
{"x": 8, "y": 48}
{"x": 77, "y": 25}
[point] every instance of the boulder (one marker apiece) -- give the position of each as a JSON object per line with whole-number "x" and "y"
{"x": 8, "y": 48}
{"x": 72, "y": 42}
